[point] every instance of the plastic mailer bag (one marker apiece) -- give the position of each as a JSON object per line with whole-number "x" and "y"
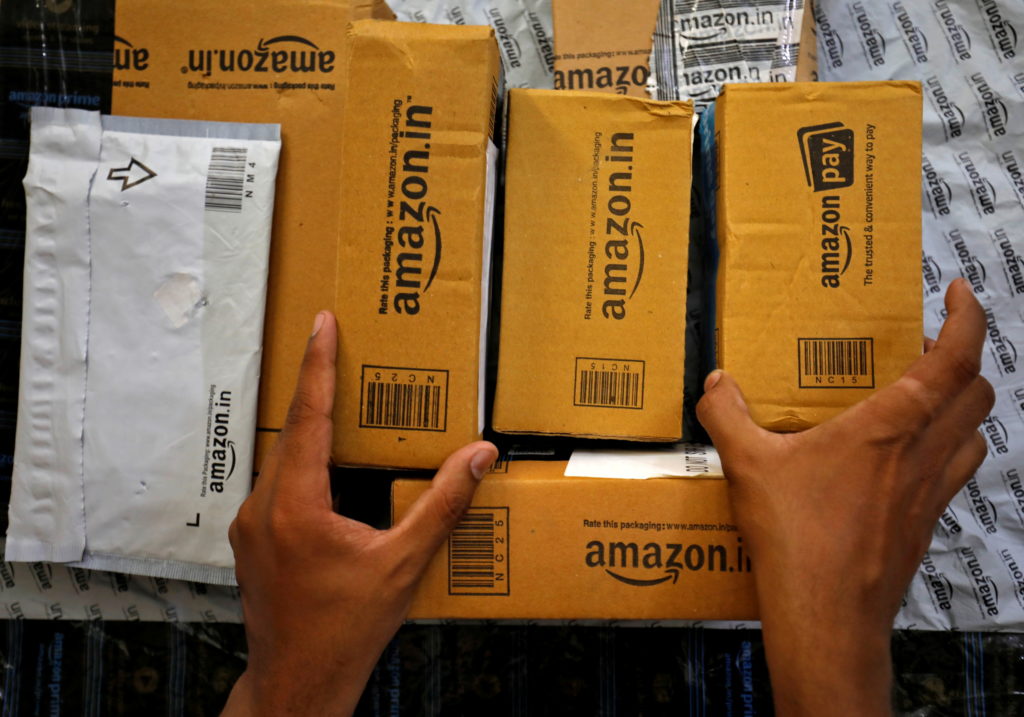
{"x": 145, "y": 285}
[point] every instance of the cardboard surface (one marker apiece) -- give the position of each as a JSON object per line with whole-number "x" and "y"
{"x": 807, "y": 56}
{"x": 538, "y": 545}
{"x": 603, "y": 45}
{"x": 595, "y": 260}
{"x": 819, "y": 228}
{"x": 273, "y": 61}
{"x": 413, "y": 260}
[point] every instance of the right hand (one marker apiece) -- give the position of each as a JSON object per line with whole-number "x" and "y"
{"x": 838, "y": 517}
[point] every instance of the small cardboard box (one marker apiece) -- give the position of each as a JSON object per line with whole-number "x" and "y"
{"x": 539, "y": 545}
{"x": 417, "y": 195}
{"x": 818, "y": 194}
{"x": 277, "y": 61}
{"x": 594, "y": 282}
{"x": 604, "y": 45}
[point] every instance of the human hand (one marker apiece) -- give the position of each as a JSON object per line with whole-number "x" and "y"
{"x": 838, "y": 517}
{"x": 323, "y": 594}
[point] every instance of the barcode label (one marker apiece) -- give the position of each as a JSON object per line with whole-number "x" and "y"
{"x": 404, "y": 398}
{"x": 609, "y": 383}
{"x": 225, "y": 179}
{"x": 836, "y": 363}
{"x": 478, "y": 553}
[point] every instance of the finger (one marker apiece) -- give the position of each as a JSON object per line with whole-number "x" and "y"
{"x": 929, "y": 344}
{"x": 955, "y": 359}
{"x": 725, "y": 416}
{"x": 436, "y": 513}
{"x": 964, "y": 464}
{"x": 959, "y": 420}
{"x": 304, "y": 445}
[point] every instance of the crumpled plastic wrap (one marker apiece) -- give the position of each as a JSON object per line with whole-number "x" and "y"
{"x": 971, "y": 66}
{"x": 522, "y": 28}
{"x": 699, "y": 45}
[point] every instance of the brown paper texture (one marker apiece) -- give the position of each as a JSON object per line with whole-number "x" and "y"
{"x": 413, "y": 257}
{"x": 538, "y": 545}
{"x": 595, "y": 261}
{"x": 603, "y": 45}
{"x": 819, "y": 228}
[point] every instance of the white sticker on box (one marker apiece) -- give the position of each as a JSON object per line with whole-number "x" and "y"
{"x": 684, "y": 460}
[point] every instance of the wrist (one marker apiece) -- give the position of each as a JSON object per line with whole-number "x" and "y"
{"x": 828, "y": 662}
{"x": 285, "y": 692}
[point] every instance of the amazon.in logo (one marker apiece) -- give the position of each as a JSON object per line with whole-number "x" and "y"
{"x": 654, "y": 563}
{"x": 725, "y": 22}
{"x": 872, "y": 41}
{"x": 221, "y": 456}
{"x": 506, "y": 41}
{"x": 623, "y": 252}
{"x": 413, "y": 223}
{"x": 914, "y": 38}
{"x": 284, "y": 53}
{"x": 129, "y": 57}
{"x": 830, "y": 41}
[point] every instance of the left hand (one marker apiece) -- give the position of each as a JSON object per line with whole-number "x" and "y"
{"x": 323, "y": 594}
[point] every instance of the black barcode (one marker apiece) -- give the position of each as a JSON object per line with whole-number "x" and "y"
{"x": 225, "y": 179}
{"x": 471, "y": 554}
{"x": 608, "y": 388}
{"x": 841, "y": 357}
{"x": 401, "y": 405}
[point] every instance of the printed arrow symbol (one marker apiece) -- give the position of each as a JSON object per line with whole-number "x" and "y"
{"x": 195, "y": 524}
{"x": 134, "y": 174}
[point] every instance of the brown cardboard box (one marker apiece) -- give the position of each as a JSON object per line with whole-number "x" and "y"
{"x": 277, "y": 61}
{"x": 819, "y": 228}
{"x": 416, "y": 207}
{"x": 603, "y": 45}
{"x": 594, "y": 282}
{"x": 807, "y": 56}
{"x": 538, "y": 545}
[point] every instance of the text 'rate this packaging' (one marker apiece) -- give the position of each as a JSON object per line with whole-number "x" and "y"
{"x": 819, "y": 232}
{"x": 594, "y": 280}
{"x": 272, "y": 61}
{"x": 417, "y": 197}
{"x": 536, "y": 544}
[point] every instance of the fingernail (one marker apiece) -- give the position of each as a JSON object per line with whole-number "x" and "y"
{"x": 317, "y": 323}
{"x": 713, "y": 378}
{"x": 480, "y": 462}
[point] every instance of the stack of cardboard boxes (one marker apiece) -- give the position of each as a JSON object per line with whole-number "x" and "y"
{"x": 388, "y": 184}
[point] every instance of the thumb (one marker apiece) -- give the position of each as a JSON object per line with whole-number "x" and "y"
{"x": 436, "y": 513}
{"x": 725, "y": 416}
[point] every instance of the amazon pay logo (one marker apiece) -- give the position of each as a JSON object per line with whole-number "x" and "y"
{"x": 827, "y": 152}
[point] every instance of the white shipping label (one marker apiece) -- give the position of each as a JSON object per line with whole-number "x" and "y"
{"x": 684, "y": 460}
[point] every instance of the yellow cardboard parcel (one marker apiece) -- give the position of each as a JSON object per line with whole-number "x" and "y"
{"x": 594, "y": 282}
{"x": 539, "y": 545}
{"x": 819, "y": 228}
{"x": 417, "y": 192}
{"x": 603, "y": 45}
{"x": 277, "y": 61}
